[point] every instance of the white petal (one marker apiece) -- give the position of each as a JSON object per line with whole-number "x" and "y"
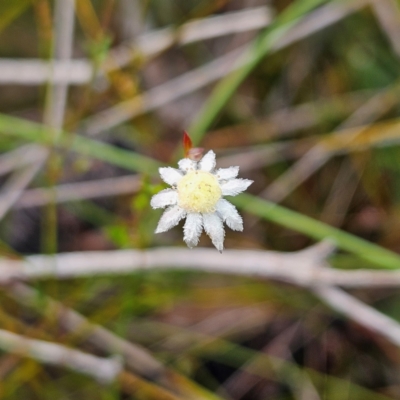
{"x": 229, "y": 214}
{"x": 235, "y": 186}
{"x": 215, "y": 229}
{"x": 186, "y": 164}
{"x": 207, "y": 163}
{"x": 170, "y": 175}
{"x": 165, "y": 198}
{"x": 170, "y": 218}
{"x": 227, "y": 173}
{"x": 192, "y": 229}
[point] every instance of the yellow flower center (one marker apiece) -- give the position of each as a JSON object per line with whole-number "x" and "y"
{"x": 198, "y": 191}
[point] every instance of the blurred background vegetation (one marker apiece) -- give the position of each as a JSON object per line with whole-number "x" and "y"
{"x": 302, "y": 94}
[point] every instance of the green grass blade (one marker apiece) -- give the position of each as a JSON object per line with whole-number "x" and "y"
{"x": 11, "y": 10}
{"x": 38, "y": 133}
{"x": 317, "y": 230}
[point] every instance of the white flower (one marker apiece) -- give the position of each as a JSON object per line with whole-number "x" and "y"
{"x": 197, "y": 191}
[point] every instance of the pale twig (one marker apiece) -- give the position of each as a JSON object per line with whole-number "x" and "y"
{"x": 15, "y": 186}
{"x": 319, "y": 19}
{"x": 359, "y": 312}
{"x": 79, "y": 191}
{"x": 38, "y": 72}
{"x": 388, "y": 15}
{"x": 343, "y": 188}
{"x": 19, "y": 157}
{"x": 102, "y": 369}
{"x": 64, "y": 19}
{"x": 155, "y": 42}
{"x": 131, "y": 19}
{"x": 224, "y": 24}
{"x": 305, "y": 268}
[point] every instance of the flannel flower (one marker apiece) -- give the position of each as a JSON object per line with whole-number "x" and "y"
{"x": 196, "y": 192}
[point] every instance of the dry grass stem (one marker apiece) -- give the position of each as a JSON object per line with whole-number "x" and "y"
{"x": 38, "y": 72}
{"x": 388, "y": 15}
{"x": 151, "y": 43}
{"x": 79, "y": 191}
{"x": 64, "y": 18}
{"x": 104, "y": 370}
{"x": 20, "y": 157}
{"x": 15, "y": 186}
{"x": 359, "y": 312}
{"x": 319, "y": 19}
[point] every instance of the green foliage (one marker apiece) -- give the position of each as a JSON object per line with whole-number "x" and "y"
{"x": 10, "y": 10}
